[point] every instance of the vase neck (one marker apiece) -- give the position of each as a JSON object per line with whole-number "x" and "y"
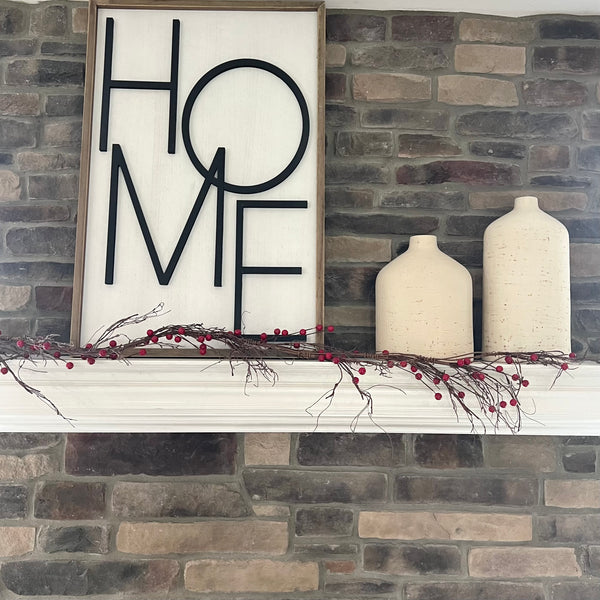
{"x": 526, "y": 203}
{"x": 423, "y": 242}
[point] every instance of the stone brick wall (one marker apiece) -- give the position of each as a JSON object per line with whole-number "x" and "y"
{"x": 434, "y": 124}
{"x": 409, "y": 517}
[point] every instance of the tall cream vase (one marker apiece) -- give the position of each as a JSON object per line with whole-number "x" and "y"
{"x": 423, "y": 303}
{"x": 526, "y": 294}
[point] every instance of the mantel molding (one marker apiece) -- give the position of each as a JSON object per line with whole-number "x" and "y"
{"x": 191, "y": 395}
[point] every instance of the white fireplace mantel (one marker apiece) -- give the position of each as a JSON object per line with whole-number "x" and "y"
{"x": 177, "y": 395}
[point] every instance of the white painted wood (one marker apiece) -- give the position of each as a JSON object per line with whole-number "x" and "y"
{"x": 203, "y": 396}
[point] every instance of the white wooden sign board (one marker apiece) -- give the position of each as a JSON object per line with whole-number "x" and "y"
{"x": 204, "y": 155}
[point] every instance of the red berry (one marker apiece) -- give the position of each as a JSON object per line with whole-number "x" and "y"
{"x": 169, "y": 336}
{"x": 149, "y": 333}
{"x": 69, "y": 365}
{"x": 20, "y": 344}
{"x": 436, "y": 381}
{"x": 481, "y": 376}
{"x": 202, "y": 349}
{"x": 572, "y": 355}
{"x": 208, "y": 337}
{"x": 499, "y": 368}
{"x": 56, "y": 354}
{"x": 277, "y": 331}
{"x": 467, "y": 361}
{"x": 263, "y": 336}
{"x": 445, "y": 377}
{"x": 237, "y": 332}
{"x": 461, "y": 395}
{"x": 419, "y": 376}
{"x": 303, "y": 332}
{"x": 91, "y": 360}
{"x": 143, "y": 352}
{"x": 177, "y": 339}
{"x": 508, "y": 360}
{"x": 502, "y": 403}
{"x": 390, "y": 364}
{"x": 296, "y": 345}
{"x": 564, "y": 366}
{"x": 154, "y": 339}
{"x": 492, "y": 409}
{"x": 285, "y": 332}
{"x": 460, "y": 362}
{"x": 102, "y": 353}
{"x": 25, "y": 354}
{"x": 46, "y": 346}
{"x": 4, "y": 370}
{"x": 336, "y": 360}
{"x": 524, "y": 383}
{"x": 200, "y": 338}
{"x": 362, "y": 371}
{"x": 112, "y": 343}
{"x": 88, "y": 346}
{"x": 319, "y": 327}
{"x": 534, "y": 357}
{"x": 328, "y": 355}
{"x": 181, "y": 331}
{"x": 385, "y": 352}
{"x": 321, "y": 358}
{"x": 515, "y": 377}
{"x": 403, "y": 364}
{"x": 438, "y": 396}
{"x": 513, "y": 402}
{"x": 413, "y": 369}
{"x": 355, "y": 380}
{"x": 330, "y": 328}
{"x": 113, "y": 356}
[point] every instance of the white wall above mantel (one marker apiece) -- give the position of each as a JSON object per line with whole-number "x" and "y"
{"x": 191, "y": 395}
{"x": 509, "y": 8}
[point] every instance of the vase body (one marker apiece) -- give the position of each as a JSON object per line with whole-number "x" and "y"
{"x": 423, "y": 303}
{"x": 526, "y": 286}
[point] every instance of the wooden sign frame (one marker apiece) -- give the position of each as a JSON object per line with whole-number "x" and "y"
{"x": 202, "y": 167}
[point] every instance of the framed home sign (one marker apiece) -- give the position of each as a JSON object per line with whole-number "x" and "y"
{"x": 202, "y": 166}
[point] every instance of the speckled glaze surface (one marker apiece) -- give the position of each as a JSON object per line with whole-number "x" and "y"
{"x": 526, "y": 294}
{"x": 423, "y": 301}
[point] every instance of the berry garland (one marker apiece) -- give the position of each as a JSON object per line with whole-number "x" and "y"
{"x": 493, "y": 380}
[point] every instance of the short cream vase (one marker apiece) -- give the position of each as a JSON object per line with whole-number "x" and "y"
{"x": 526, "y": 293}
{"x": 423, "y": 303}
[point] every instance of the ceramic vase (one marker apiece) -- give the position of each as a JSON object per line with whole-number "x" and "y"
{"x": 423, "y": 303}
{"x": 526, "y": 294}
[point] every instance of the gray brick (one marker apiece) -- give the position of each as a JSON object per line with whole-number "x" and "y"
{"x": 381, "y": 224}
{"x": 459, "y": 171}
{"x": 77, "y": 538}
{"x": 324, "y": 521}
{"x": 438, "y": 28}
{"x": 54, "y": 187}
{"x": 364, "y": 143}
{"x": 28, "y": 441}
{"x": 337, "y": 115}
{"x": 416, "y": 58}
{"x": 477, "y": 590}
{"x": 361, "y": 587}
{"x": 49, "y": 21}
{"x": 38, "y": 271}
{"x": 45, "y": 72}
{"x": 553, "y": 92}
{"x": 566, "y": 59}
{"x": 13, "y": 501}
{"x": 424, "y": 199}
{"x": 50, "y": 241}
{"x": 63, "y": 49}
{"x": 336, "y": 173}
{"x": 348, "y": 283}
{"x": 335, "y": 86}
{"x": 17, "y": 47}
{"x": 34, "y": 214}
{"x": 355, "y": 28}
{"x": 406, "y": 118}
{"x": 570, "y": 529}
{"x": 348, "y": 198}
{"x": 309, "y": 487}
{"x": 320, "y": 449}
{"x": 561, "y": 29}
{"x": 579, "y": 462}
{"x": 415, "y": 145}
{"x": 326, "y": 550}
{"x": 448, "y": 451}
{"x": 498, "y": 149}
{"x": 468, "y": 225}
{"x": 64, "y": 105}
{"x": 15, "y": 134}
{"x": 70, "y": 500}
{"x": 563, "y": 181}
{"x": 412, "y": 560}
{"x": 12, "y": 20}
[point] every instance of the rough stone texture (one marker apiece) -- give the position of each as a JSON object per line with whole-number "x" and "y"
{"x": 13, "y": 501}
{"x": 466, "y": 490}
{"x": 478, "y": 590}
{"x": 371, "y": 143}
{"x": 470, "y": 90}
{"x": 152, "y": 454}
{"x": 355, "y": 283}
{"x": 67, "y": 500}
{"x": 267, "y": 449}
{"x": 17, "y": 134}
{"x": 585, "y": 260}
{"x": 361, "y": 174}
{"x": 590, "y": 125}
{"x": 355, "y": 28}
{"x": 44, "y": 72}
{"x": 310, "y": 487}
{"x": 570, "y": 590}
{"x": 335, "y": 86}
{"x": 316, "y": 449}
{"x": 572, "y": 493}
{"x": 345, "y": 248}
{"x": 12, "y": 20}
{"x": 76, "y": 538}
{"x": 406, "y": 118}
{"x": 438, "y": 28}
{"x": 413, "y": 145}
{"x": 548, "y": 158}
{"x": 335, "y": 55}
{"x": 349, "y": 198}
{"x": 523, "y": 562}
{"x": 445, "y": 526}
{"x": 380, "y": 223}
{"x": 588, "y": 158}
{"x": 79, "y": 19}
{"x": 142, "y": 500}
{"x": 31, "y": 466}
{"x": 510, "y": 31}
{"x": 389, "y": 87}
{"x": 269, "y": 537}
{"x": 55, "y": 161}
{"x": 569, "y": 528}
{"x": 448, "y": 451}
{"x": 16, "y": 541}
{"x": 412, "y": 560}
{"x": 361, "y": 587}
{"x": 13, "y": 297}
{"x": 566, "y": 59}
{"x": 553, "y": 92}
{"x": 487, "y": 58}
{"x": 458, "y": 171}
{"x": 324, "y": 521}
{"x": 49, "y": 241}
{"x": 86, "y": 578}
{"x": 54, "y": 187}
{"x": 20, "y": 104}
{"x": 402, "y": 59}
{"x": 498, "y": 149}
{"x": 53, "y": 298}
{"x": 548, "y": 201}
{"x": 352, "y": 316}
{"x": 251, "y": 576}
{"x": 64, "y": 105}
{"x": 525, "y": 453}
{"x": 28, "y": 441}
{"x": 425, "y": 199}
{"x": 49, "y": 21}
